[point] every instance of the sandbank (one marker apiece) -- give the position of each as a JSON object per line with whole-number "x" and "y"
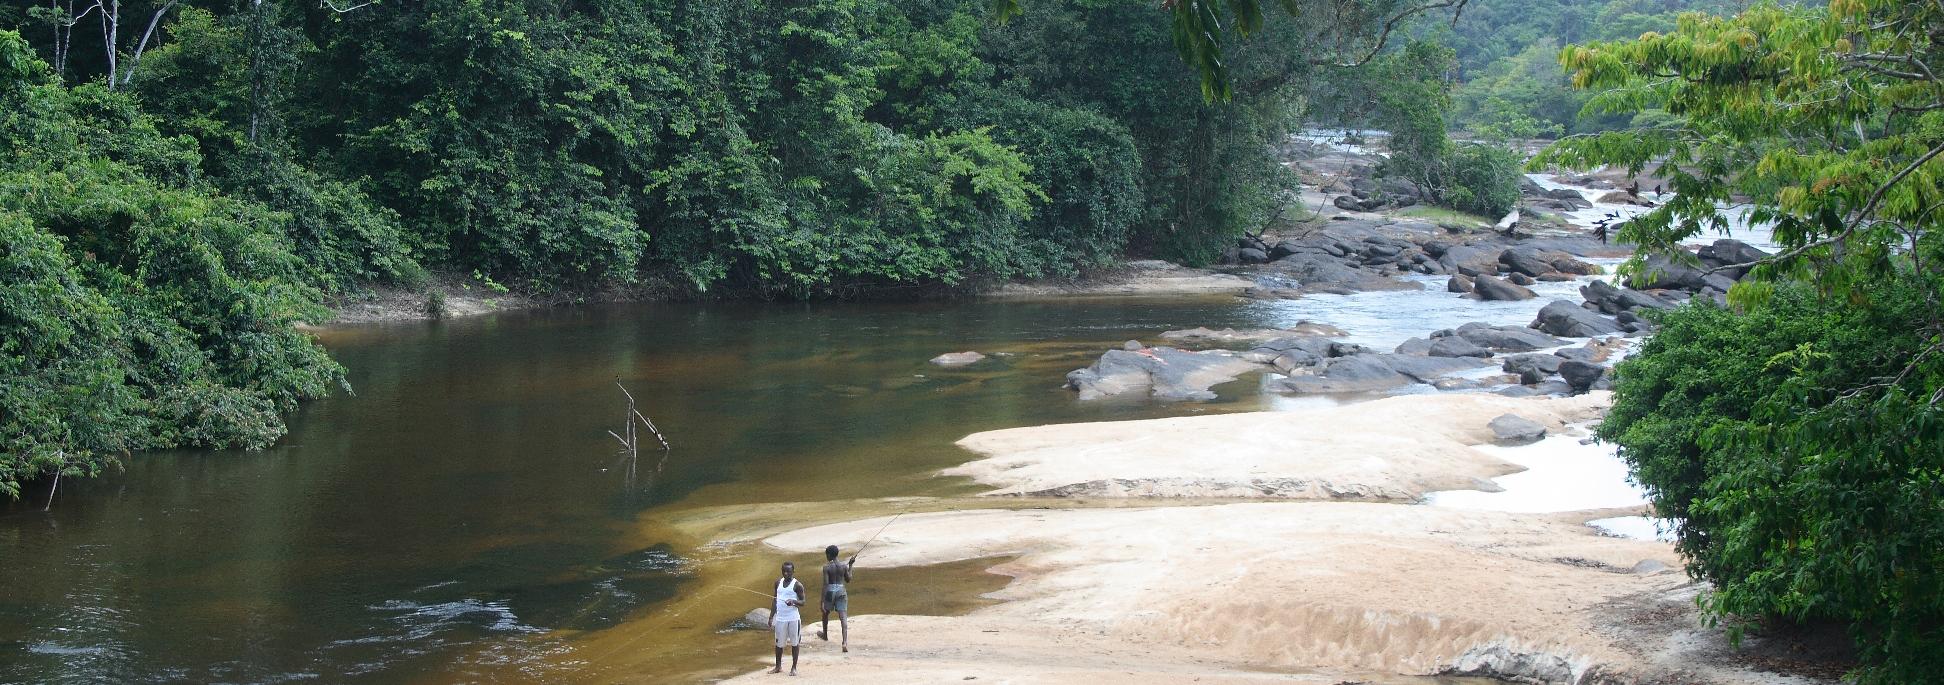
{"x": 1396, "y": 448}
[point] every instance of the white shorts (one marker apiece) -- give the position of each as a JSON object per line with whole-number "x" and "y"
{"x": 788, "y": 633}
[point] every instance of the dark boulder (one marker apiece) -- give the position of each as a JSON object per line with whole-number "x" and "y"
{"x": 1508, "y": 338}
{"x": 1618, "y": 300}
{"x": 1532, "y": 368}
{"x": 1418, "y": 346}
{"x": 1512, "y": 428}
{"x": 1563, "y": 318}
{"x": 1580, "y": 374}
{"x": 1427, "y": 369}
{"x": 1457, "y": 347}
{"x": 1491, "y": 288}
{"x": 1250, "y": 255}
{"x": 1661, "y": 273}
{"x": 1360, "y": 373}
{"x": 1348, "y": 203}
{"x": 1526, "y": 260}
{"x": 1516, "y": 278}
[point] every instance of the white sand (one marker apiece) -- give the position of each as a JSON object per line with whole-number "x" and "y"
{"x": 1393, "y": 448}
{"x": 1203, "y": 591}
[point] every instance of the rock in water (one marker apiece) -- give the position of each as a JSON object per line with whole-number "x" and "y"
{"x": 1459, "y": 283}
{"x": 1507, "y": 338}
{"x": 957, "y": 358}
{"x": 1454, "y": 346}
{"x": 1359, "y": 373}
{"x": 1491, "y": 288}
{"x": 1512, "y": 428}
{"x": 1562, "y": 317}
{"x": 1165, "y": 371}
{"x": 1581, "y": 375}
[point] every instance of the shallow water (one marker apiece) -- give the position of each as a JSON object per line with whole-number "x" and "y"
{"x": 468, "y": 497}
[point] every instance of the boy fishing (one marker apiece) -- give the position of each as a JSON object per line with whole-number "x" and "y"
{"x": 785, "y": 621}
{"x": 835, "y": 597}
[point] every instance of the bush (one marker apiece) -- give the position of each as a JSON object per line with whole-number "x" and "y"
{"x": 1795, "y": 495}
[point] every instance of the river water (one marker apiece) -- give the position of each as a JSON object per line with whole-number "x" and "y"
{"x": 467, "y": 502}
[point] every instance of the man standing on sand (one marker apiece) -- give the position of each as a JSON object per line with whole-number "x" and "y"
{"x": 784, "y": 619}
{"x": 835, "y": 598}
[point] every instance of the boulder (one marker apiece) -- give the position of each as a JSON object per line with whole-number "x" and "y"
{"x": 1436, "y": 248}
{"x": 1250, "y": 255}
{"x": 1580, "y": 374}
{"x": 1508, "y": 338}
{"x": 1731, "y": 251}
{"x": 1467, "y": 259}
{"x": 1532, "y": 368}
{"x": 1459, "y": 283}
{"x": 1563, "y": 318}
{"x": 1348, "y": 203}
{"x": 1516, "y": 278}
{"x": 1556, "y": 277}
{"x": 1526, "y": 260}
{"x": 1619, "y": 300}
{"x": 1490, "y": 288}
{"x": 1165, "y": 371}
{"x": 957, "y": 358}
{"x": 1660, "y": 273}
{"x": 1454, "y": 346}
{"x": 1512, "y": 428}
{"x": 1360, "y": 373}
{"x": 1569, "y": 195}
{"x": 1418, "y": 346}
{"x": 1569, "y": 265}
{"x": 1428, "y": 369}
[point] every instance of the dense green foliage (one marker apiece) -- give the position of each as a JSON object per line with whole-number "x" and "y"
{"x": 1796, "y": 496}
{"x": 138, "y": 310}
{"x": 1406, "y": 94}
{"x": 1798, "y": 444}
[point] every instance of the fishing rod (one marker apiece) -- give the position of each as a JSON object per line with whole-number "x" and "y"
{"x": 874, "y": 536}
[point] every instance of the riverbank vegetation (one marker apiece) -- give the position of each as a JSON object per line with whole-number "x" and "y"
{"x": 1798, "y": 444}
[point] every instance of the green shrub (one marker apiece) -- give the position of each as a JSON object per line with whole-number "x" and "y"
{"x": 1797, "y": 495}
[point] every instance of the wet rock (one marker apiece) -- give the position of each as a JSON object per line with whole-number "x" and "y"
{"x": 1516, "y": 278}
{"x": 1580, "y": 374}
{"x": 1661, "y": 273}
{"x": 1567, "y": 194}
{"x": 1459, "y": 284}
{"x": 1470, "y": 260}
{"x": 1165, "y": 371}
{"x": 1532, "y": 368}
{"x": 1618, "y": 300}
{"x": 1454, "y": 384}
{"x": 1454, "y": 346}
{"x": 1490, "y": 288}
{"x": 957, "y": 358}
{"x": 1427, "y": 369}
{"x": 1512, "y": 428}
{"x": 1556, "y": 277}
{"x": 1359, "y": 373}
{"x": 1552, "y": 388}
{"x": 1569, "y": 265}
{"x": 1731, "y": 251}
{"x": 1526, "y": 260}
{"x": 1507, "y": 338}
{"x": 1418, "y": 346}
{"x": 1564, "y": 318}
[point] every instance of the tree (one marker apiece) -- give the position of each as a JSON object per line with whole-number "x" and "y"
{"x": 1349, "y": 34}
{"x": 1809, "y": 481}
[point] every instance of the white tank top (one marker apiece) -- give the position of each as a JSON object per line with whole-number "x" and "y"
{"x": 784, "y": 612}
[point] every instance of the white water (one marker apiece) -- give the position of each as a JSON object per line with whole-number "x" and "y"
{"x": 1738, "y": 227}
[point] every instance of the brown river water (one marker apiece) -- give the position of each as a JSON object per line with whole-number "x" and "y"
{"x": 464, "y": 517}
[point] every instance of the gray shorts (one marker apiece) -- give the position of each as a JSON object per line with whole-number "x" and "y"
{"x": 836, "y": 598}
{"x": 788, "y": 633}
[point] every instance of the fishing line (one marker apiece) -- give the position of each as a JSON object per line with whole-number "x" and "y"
{"x": 874, "y": 536}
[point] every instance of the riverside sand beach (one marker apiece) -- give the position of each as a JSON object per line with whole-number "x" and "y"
{"x": 1320, "y": 590}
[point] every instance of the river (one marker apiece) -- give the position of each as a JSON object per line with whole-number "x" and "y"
{"x": 466, "y": 502}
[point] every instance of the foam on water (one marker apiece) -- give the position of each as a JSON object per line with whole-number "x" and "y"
{"x": 1738, "y": 228}
{"x": 1382, "y": 320}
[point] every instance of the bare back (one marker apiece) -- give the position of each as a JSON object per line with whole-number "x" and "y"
{"x": 836, "y": 573}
